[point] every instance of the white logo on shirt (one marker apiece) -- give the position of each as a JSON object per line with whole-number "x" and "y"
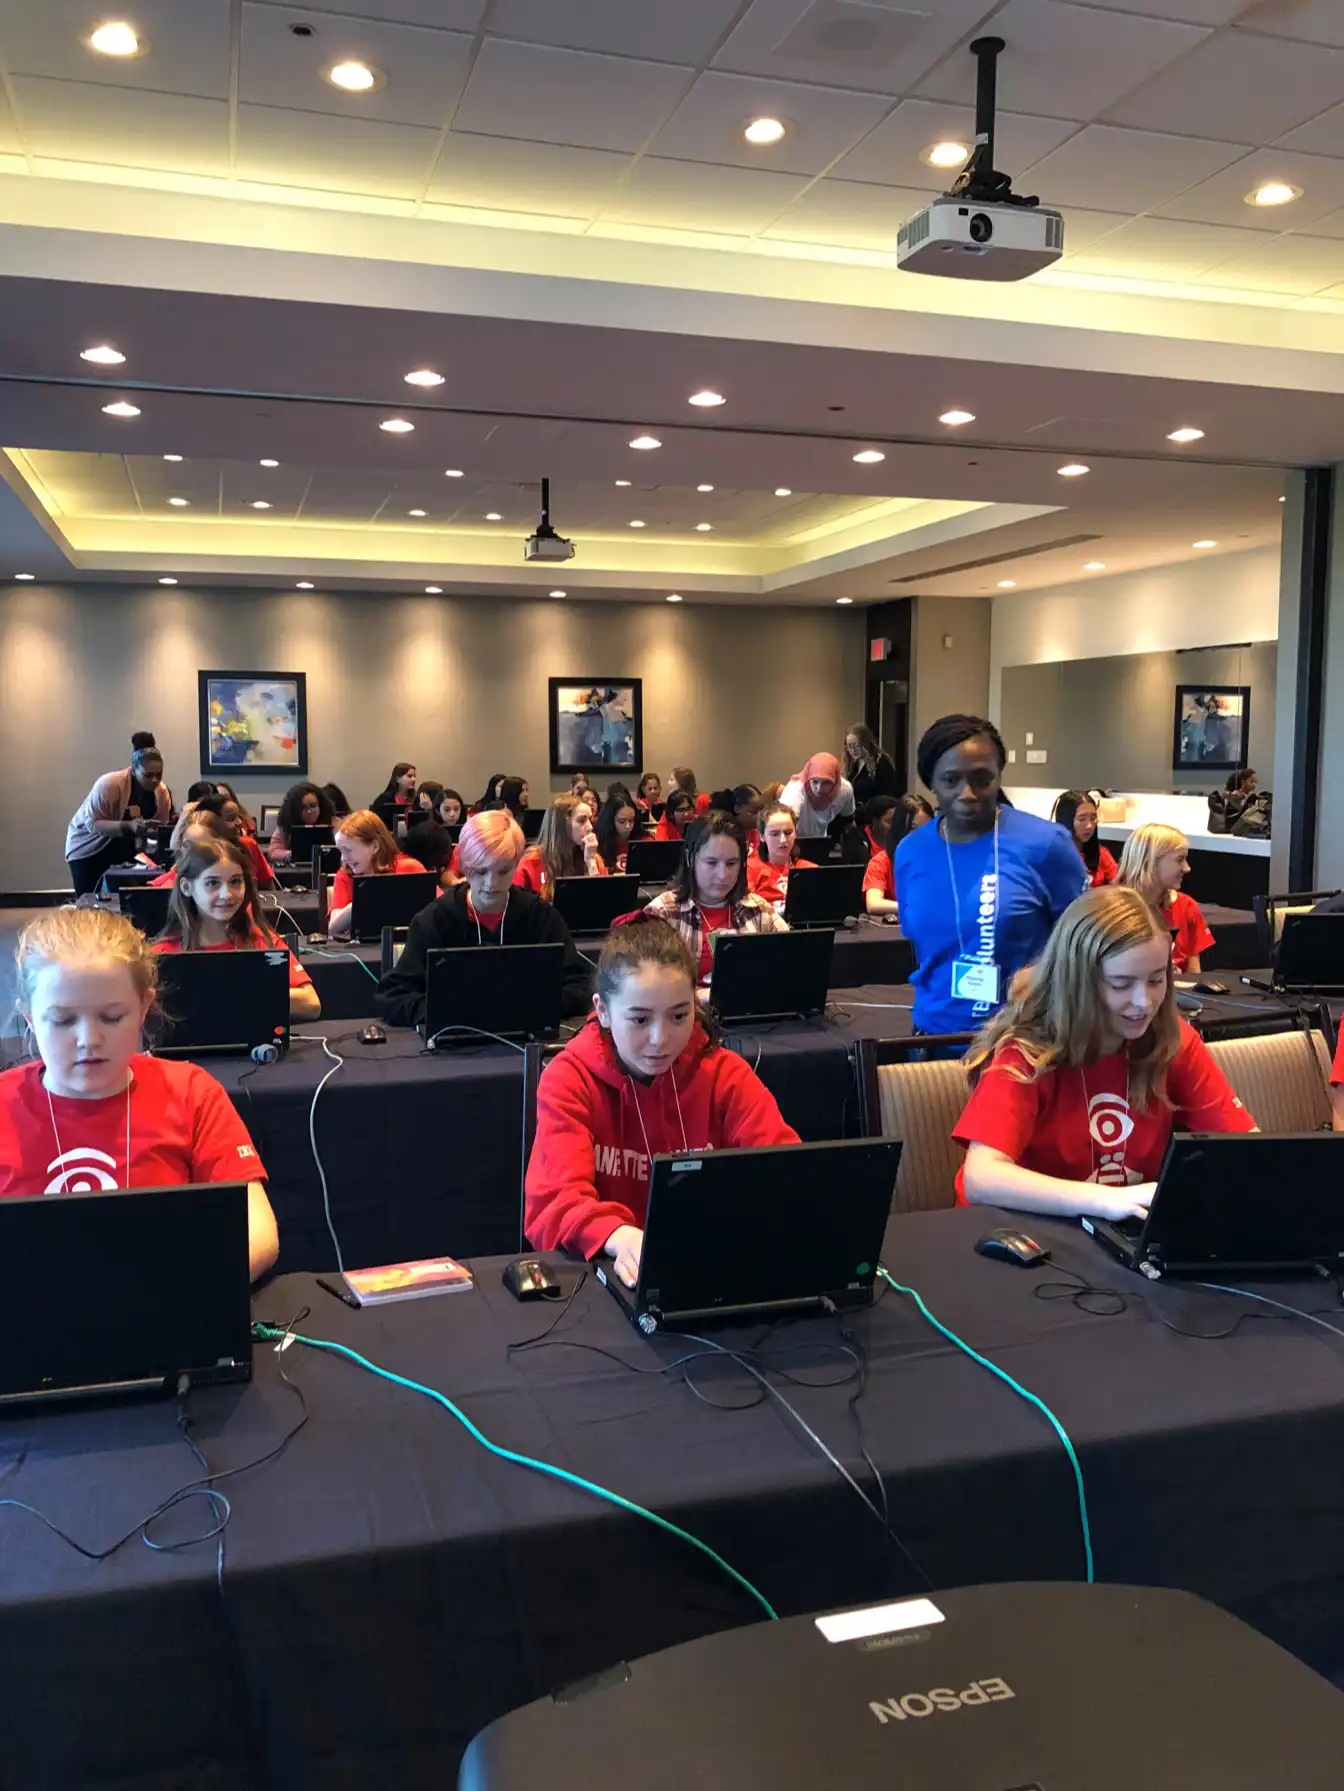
{"x": 79, "y": 1171}
{"x": 1110, "y": 1125}
{"x": 245, "y": 1150}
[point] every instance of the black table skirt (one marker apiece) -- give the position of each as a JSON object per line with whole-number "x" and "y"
{"x": 388, "y": 1587}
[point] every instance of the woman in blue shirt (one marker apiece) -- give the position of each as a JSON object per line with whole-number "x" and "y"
{"x": 980, "y": 891}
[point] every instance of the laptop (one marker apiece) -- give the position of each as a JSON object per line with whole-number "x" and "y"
{"x": 828, "y": 898}
{"x": 147, "y": 909}
{"x": 223, "y": 1003}
{"x": 1310, "y": 955}
{"x": 654, "y": 861}
{"x": 590, "y": 904}
{"x": 121, "y": 1292}
{"x": 817, "y": 850}
{"x": 512, "y": 990}
{"x": 1237, "y": 1203}
{"x": 770, "y": 976}
{"x": 127, "y": 876}
{"x": 303, "y": 839}
{"x": 532, "y": 820}
{"x": 755, "y": 1234}
{"x": 270, "y": 819}
{"x": 390, "y": 901}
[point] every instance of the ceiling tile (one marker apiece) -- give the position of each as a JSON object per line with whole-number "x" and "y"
{"x": 890, "y": 153}
{"x": 849, "y": 214}
{"x": 1307, "y": 21}
{"x": 188, "y": 44}
{"x": 881, "y": 47}
{"x": 425, "y": 70}
{"x": 444, "y": 15}
{"x": 1298, "y": 265}
{"x": 823, "y": 122}
{"x": 1190, "y": 12}
{"x": 1158, "y": 249}
{"x": 9, "y": 135}
{"x": 1322, "y": 136}
{"x": 1222, "y": 199}
{"x": 565, "y": 96}
{"x": 1067, "y": 59}
{"x": 689, "y": 196}
{"x": 504, "y": 175}
{"x": 1082, "y": 227}
{"x": 1260, "y": 87}
{"x": 663, "y": 31}
{"x": 345, "y": 155}
{"x": 72, "y": 121}
{"x": 1122, "y": 170}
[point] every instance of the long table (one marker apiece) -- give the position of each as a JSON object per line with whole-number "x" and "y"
{"x": 388, "y": 1587}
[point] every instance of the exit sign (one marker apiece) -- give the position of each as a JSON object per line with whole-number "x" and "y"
{"x": 879, "y": 649}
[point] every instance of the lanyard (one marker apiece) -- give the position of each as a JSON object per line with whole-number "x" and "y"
{"x": 956, "y": 897}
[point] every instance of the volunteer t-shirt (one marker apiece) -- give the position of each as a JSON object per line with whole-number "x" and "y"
{"x": 961, "y": 913}
{"x": 1080, "y": 1124}
{"x": 1190, "y": 930}
{"x": 183, "y": 1128}
{"x": 298, "y": 976}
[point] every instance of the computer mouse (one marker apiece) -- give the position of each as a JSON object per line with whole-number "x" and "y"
{"x": 1207, "y": 987}
{"x": 527, "y": 1278}
{"x": 1012, "y": 1246}
{"x": 373, "y": 1035}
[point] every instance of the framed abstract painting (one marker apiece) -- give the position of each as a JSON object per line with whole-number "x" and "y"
{"x": 253, "y": 721}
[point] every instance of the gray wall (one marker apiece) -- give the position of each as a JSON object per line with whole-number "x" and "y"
{"x": 457, "y": 685}
{"x": 948, "y": 680}
{"x": 1108, "y": 722}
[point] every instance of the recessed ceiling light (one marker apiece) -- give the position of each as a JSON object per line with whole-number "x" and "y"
{"x": 844, "y": 600}
{"x": 948, "y": 154}
{"x": 674, "y": 597}
{"x": 117, "y": 38}
{"x": 493, "y": 516}
{"x": 707, "y": 399}
{"x": 179, "y": 503}
{"x": 260, "y": 504}
{"x": 765, "y": 130}
{"x": 167, "y": 581}
{"x": 1186, "y": 434}
{"x": 559, "y": 593}
{"x": 869, "y": 456}
{"x": 268, "y": 463}
{"x": 453, "y": 472}
{"x": 25, "y": 578}
{"x": 1283, "y": 500}
{"x": 645, "y": 442}
{"x": 1203, "y": 544}
{"x": 304, "y": 584}
{"x": 173, "y": 457}
{"x": 1007, "y": 584}
{"x": 1094, "y": 565}
{"x": 121, "y": 409}
{"x": 623, "y": 481}
{"x": 955, "y": 418}
{"x": 704, "y": 488}
{"x": 396, "y": 425}
{"x": 354, "y": 77}
{"x": 636, "y": 524}
{"x": 1074, "y": 470}
{"x": 415, "y": 513}
{"x": 1273, "y": 192}
{"x": 783, "y": 491}
{"x": 433, "y": 590}
{"x": 424, "y": 376}
{"x": 703, "y": 528}
{"x": 102, "y": 355}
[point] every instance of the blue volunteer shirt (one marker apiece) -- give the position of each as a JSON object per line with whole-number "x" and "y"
{"x": 1040, "y": 873}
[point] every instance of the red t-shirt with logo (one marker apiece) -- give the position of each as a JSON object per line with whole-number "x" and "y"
{"x": 298, "y": 976}
{"x": 183, "y": 1128}
{"x": 772, "y": 881}
{"x": 1079, "y": 1125}
{"x": 1190, "y": 931}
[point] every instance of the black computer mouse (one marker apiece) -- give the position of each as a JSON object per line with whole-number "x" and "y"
{"x": 1206, "y": 987}
{"x": 1007, "y": 1245}
{"x": 528, "y": 1278}
{"x": 373, "y": 1035}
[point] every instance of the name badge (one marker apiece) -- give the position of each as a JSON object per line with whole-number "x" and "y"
{"x": 974, "y": 980}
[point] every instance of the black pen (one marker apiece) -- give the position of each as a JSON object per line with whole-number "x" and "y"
{"x": 338, "y": 1292}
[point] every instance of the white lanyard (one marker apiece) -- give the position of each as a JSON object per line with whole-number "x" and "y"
{"x": 56, "y": 1133}
{"x": 476, "y": 917}
{"x": 956, "y": 898}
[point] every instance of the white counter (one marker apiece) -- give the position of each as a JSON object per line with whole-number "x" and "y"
{"x": 1188, "y": 813}
{"x": 1201, "y": 840}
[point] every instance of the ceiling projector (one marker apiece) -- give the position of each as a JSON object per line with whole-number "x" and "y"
{"x": 981, "y": 229}
{"x": 546, "y": 545}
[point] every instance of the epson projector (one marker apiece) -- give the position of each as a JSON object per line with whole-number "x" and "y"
{"x": 548, "y": 546}
{"x": 957, "y": 237}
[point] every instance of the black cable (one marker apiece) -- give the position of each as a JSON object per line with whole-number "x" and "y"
{"x": 567, "y": 1302}
{"x": 1114, "y": 1302}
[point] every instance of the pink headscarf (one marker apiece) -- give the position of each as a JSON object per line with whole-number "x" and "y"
{"x": 824, "y": 765}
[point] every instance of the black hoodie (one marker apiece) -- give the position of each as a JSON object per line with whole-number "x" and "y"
{"x": 446, "y": 923}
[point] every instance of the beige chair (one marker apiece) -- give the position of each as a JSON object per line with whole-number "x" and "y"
{"x": 1280, "y": 1077}
{"x": 918, "y": 1103}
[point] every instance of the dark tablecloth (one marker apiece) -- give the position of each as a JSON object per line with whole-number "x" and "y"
{"x": 388, "y": 1587}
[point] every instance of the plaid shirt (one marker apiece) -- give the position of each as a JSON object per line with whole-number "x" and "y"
{"x": 753, "y": 914}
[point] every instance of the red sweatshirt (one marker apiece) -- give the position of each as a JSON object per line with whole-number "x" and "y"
{"x": 597, "y": 1127}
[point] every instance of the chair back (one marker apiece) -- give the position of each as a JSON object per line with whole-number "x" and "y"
{"x": 1282, "y": 1078}
{"x": 1272, "y": 910}
{"x": 918, "y": 1102}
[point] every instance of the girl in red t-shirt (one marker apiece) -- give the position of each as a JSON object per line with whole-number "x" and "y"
{"x": 91, "y": 1112}
{"x": 367, "y": 849}
{"x": 616, "y": 825}
{"x": 1155, "y": 861}
{"x": 890, "y": 818}
{"x": 213, "y": 907}
{"x": 776, "y": 857}
{"x": 1076, "y": 812}
{"x": 566, "y": 847}
{"x": 1080, "y": 1079}
{"x": 678, "y": 814}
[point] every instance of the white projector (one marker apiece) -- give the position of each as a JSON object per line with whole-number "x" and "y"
{"x": 547, "y": 545}
{"x": 963, "y": 240}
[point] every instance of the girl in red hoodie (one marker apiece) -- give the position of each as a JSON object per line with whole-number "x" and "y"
{"x": 643, "y": 1078}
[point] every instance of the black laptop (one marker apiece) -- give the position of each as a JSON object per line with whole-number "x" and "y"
{"x": 770, "y": 976}
{"x": 147, "y": 909}
{"x": 818, "y": 850}
{"x": 826, "y": 896}
{"x": 654, "y": 861}
{"x": 590, "y": 904}
{"x": 223, "y": 1003}
{"x": 303, "y": 839}
{"x": 1238, "y": 1203}
{"x": 390, "y": 901}
{"x": 531, "y": 823}
{"x": 1310, "y": 955}
{"x": 750, "y": 1234}
{"x": 512, "y": 990}
{"x": 121, "y": 1292}
{"x": 127, "y": 876}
